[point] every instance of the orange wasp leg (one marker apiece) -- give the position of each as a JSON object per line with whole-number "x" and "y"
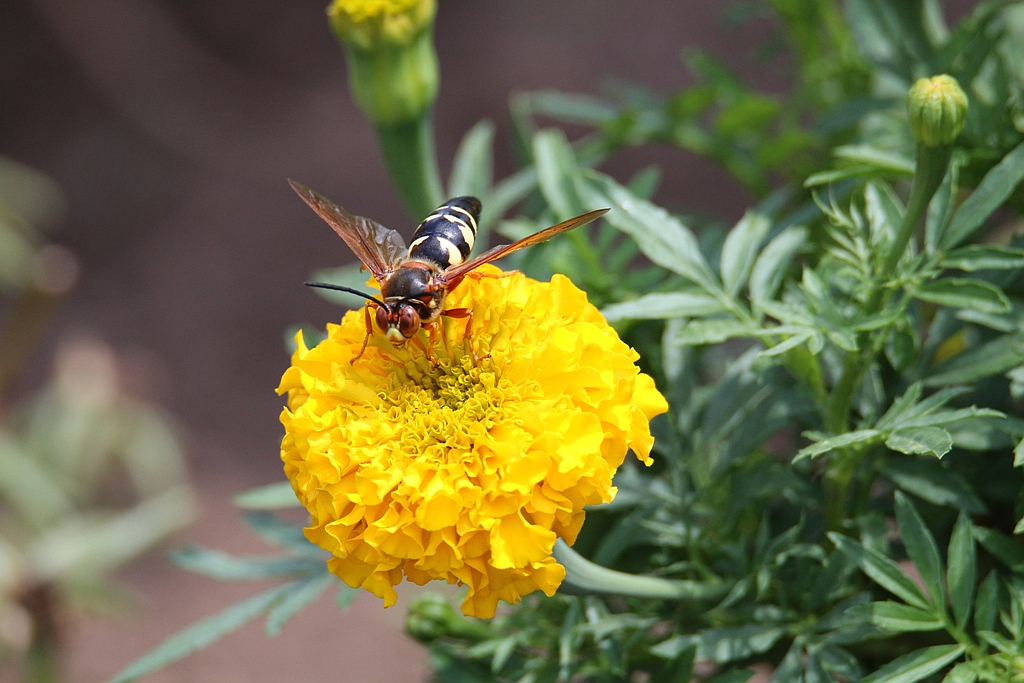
{"x": 466, "y": 313}
{"x": 366, "y": 339}
{"x": 427, "y": 348}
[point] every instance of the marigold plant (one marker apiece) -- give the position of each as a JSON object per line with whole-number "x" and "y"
{"x": 460, "y": 470}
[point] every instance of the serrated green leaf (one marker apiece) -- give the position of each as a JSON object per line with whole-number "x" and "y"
{"x": 860, "y": 438}
{"x": 302, "y": 594}
{"x": 933, "y": 441}
{"x": 661, "y": 236}
{"x": 921, "y": 548}
{"x": 962, "y": 569}
{"x": 895, "y": 616}
{"x": 740, "y": 250}
{"x": 927, "y": 479}
{"x": 916, "y": 665}
{"x": 773, "y": 261}
{"x": 976, "y": 257}
{"x": 201, "y": 634}
{"x": 969, "y": 293}
{"x": 276, "y": 496}
{"x": 660, "y": 305}
{"x": 472, "y": 168}
{"x": 993, "y": 189}
{"x": 882, "y": 571}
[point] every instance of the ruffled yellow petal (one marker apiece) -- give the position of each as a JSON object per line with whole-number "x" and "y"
{"x": 459, "y": 471}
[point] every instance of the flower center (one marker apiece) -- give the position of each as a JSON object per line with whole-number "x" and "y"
{"x": 444, "y": 408}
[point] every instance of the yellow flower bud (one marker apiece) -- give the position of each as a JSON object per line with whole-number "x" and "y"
{"x": 390, "y": 53}
{"x": 937, "y": 109}
{"x": 367, "y": 23}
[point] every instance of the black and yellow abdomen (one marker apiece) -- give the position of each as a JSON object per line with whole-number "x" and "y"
{"x": 445, "y": 238}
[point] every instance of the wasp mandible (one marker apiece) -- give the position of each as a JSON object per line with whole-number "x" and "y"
{"x": 414, "y": 281}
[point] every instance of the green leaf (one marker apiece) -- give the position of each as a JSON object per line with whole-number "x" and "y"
{"x": 773, "y": 261}
{"x": 859, "y": 438}
{"x": 987, "y": 604}
{"x": 921, "y": 441}
{"x": 993, "y": 189}
{"x": 984, "y": 257}
{"x": 221, "y": 565}
{"x": 882, "y": 571}
{"x": 660, "y": 236}
{"x": 274, "y": 496}
{"x": 929, "y": 480}
{"x": 964, "y": 672}
{"x": 876, "y": 158}
{"x": 1007, "y": 550}
{"x": 921, "y": 548}
{"x": 556, "y": 167}
{"x": 969, "y": 293}
{"x": 992, "y": 358}
{"x": 895, "y": 616}
{"x": 202, "y": 634}
{"x": 662, "y": 305}
{"x": 472, "y": 168}
{"x": 740, "y": 250}
{"x": 723, "y": 645}
{"x": 916, "y": 665}
{"x": 962, "y": 569}
{"x": 711, "y": 331}
{"x": 302, "y": 594}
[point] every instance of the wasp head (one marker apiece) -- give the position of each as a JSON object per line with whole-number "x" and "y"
{"x": 398, "y": 320}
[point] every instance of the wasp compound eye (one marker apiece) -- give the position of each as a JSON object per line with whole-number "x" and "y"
{"x": 382, "y": 319}
{"x": 408, "y": 321}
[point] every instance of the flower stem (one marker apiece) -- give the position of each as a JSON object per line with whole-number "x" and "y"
{"x": 408, "y": 151}
{"x": 932, "y": 163}
{"x": 587, "y": 577}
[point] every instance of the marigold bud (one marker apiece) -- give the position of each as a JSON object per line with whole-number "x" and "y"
{"x": 937, "y": 109}
{"x": 390, "y": 53}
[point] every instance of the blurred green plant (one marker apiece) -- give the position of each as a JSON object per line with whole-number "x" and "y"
{"x": 837, "y": 490}
{"x": 90, "y": 478}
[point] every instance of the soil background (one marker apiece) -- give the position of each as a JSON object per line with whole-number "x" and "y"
{"x": 171, "y": 126}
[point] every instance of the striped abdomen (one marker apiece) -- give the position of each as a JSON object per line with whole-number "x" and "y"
{"x": 446, "y": 237}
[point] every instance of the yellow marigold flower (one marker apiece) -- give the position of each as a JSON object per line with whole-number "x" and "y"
{"x": 465, "y": 472}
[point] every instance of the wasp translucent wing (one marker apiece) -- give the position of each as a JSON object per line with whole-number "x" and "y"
{"x": 379, "y": 248}
{"x": 454, "y": 274}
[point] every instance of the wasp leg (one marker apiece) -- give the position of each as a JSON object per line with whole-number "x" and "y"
{"x": 466, "y": 313}
{"x": 427, "y": 348}
{"x": 366, "y": 339}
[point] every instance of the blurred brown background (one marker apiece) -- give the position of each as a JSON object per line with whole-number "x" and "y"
{"x": 171, "y": 126}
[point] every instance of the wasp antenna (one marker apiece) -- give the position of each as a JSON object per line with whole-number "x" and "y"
{"x": 339, "y": 288}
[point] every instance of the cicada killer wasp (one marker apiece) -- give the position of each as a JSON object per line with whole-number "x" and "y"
{"x": 414, "y": 280}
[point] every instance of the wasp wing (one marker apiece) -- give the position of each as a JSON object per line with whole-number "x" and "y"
{"x": 454, "y": 274}
{"x": 380, "y": 249}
